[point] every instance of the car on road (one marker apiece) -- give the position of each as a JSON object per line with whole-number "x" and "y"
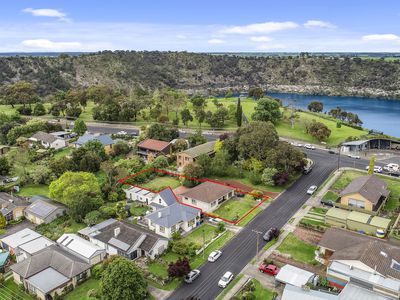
{"x": 311, "y": 190}
{"x": 354, "y": 156}
{"x": 214, "y": 255}
{"x": 391, "y": 167}
{"x": 309, "y": 146}
{"x": 271, "y": 234}
{"x": 377, "y": 169}
{"x": 192, "y": 275}
{"x": 268, "y": 269}
{"x": 225, "y": 280}
{"x": 331, "y": 151}
{"x": 299, "y": 145}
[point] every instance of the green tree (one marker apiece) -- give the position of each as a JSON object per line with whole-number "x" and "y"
{"x": 123, "y": 280}
{"x": 92, "y": 218}
{"x": 21, "y": 92}
{"x": 267, "y": 110}
{"x": 200, "y": 115}
{"x": 196, "y": 138}
{"x": 192, "y": 171}
{"x": 79, "y": 191}
{"x": 267, "y": 176}
{"x": 371, "y": 165}
{"x": 160, "y": 162}
{"x": 284, "y": 157}
{"x": 4, "y": 166}
{"x": 256, "y": 92}
{"x": 39, "y": 109}
{"x": 319, "y": 130}
{"x": 186, "y": 116}
{"x": 239, "y": 112}
{"x": 315, "y": 106}
{"x": 162, "y": 132}
{"x": 3, "y": 221}
{"x": 121, "y": 211}
{"x": 220, "y": 163}
{"x": 80, "y": 127}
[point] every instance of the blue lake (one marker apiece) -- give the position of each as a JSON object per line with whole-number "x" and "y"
{"x": 377, "y": 114}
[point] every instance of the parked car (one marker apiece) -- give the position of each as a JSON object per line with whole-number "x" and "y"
{"x": 327, "y": 202}
{"x": 393, "y": 166}
{"x": 225, "y": 280}
{"x": 192, "y": 275}
{"x": 271, "y": 234}
{"x": 377, "y": 169}
{"x": 309, "y": 146}
{"x": 299, "y": 145}
{"x": 311, "y": 190}
{"x": 269, "y": 269}
{"x": 331, "y": 151}
{"x": 214, "y": 255}
{"x": 354, "y": 156}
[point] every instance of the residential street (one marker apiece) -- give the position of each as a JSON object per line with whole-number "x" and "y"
{"x": 242, "y": 248}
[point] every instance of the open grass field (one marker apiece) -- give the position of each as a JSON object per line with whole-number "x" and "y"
{"x": 159, "y": 183}
{"x": 80, "y": 292}
{"x": 393, "y": 185}
{"x": 298, "y": 250}
{"x": 33, "y": 190}
{"x": 235, "y": 208}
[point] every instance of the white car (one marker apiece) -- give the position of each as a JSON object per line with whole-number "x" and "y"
{"x": 214, "y": 256}
{"x": 300, "y": 145}
{"x": 225, "y": 280}
{"x": 354, "y": 156}
{"x": 377, "y": 169}
{"x": 393, "y": 166}
{"x": 122, "y": 132}
{"x": 311, "y": 190}
{"x": 192, "y": 275}
{"x": 309, "y": 146}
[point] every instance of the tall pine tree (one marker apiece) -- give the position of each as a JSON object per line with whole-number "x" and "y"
{"x": 239, "y": 112}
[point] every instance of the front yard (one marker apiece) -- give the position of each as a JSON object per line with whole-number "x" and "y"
{"x": 298, "y": 250}
{"x": 236, "y": 208}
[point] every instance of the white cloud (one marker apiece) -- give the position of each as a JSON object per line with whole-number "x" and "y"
{"x": 259, "y": 39}
{"x": 46, "y": 12}
{"x": 215, "y": 41}
{"x": 318, "y": 24}
{"x": 181, "y": 36}
{"x": 43, "y": 44}
{"x": 271, "y": 47}
{"x": 266, "y": 27}
{"x": 381, "y": 37}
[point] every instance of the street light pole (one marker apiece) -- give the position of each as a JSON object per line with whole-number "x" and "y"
{"x": 204, "y": 243}
{"x": 258, "y": 237}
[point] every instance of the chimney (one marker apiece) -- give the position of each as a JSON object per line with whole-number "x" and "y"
{"x": 117, "y": 231}
{"x": 159, "y": 214}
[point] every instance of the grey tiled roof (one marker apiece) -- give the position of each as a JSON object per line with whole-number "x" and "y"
{"x": 168, "y": 196}
{"x": 205, "y": 148}
{"x": 44, "y": 136}
{"x": 207, "y": 191}
{"x": 173, "y": 214}
{"x": 10, "y": 202}
{"x": 370, "y": 187}
{"x": 54, "y": 257}
{"x": 104, "y": 139}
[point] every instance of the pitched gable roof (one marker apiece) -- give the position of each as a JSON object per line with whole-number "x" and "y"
{"x": 42, "y": 207}
{"x": 205, "y": 148}
{"x": 168, "y": 196}
{"x": 208, "y": 192}
{"x": 44, "y": 137}
{"x": 54, "y": 257}
{"x": 173, "y": 214}
{"x": 104, "y": 139}
{"x": 78, "y": 245}
{"x": 370, "y": 187}
{"x": 155, "y": 145}
{"x": 9, "y": 202}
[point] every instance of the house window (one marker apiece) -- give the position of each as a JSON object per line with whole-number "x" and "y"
{"x": 162, "y": 229}
{"x": 159, "y": 201}
{"x": 194, "y": 201}
{"x": 356, "y": 203}
{"x": 81, "y": 276}
{"x": 191, "y": 223}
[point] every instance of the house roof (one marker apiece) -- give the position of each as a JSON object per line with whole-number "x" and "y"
{"x": 9, "y": 202}
{"x": 370, "y": 187}
{"x": 292, "y": 275}
{"x": 129, "y": 235}
{"x": 36, "y": 245}
{"x": 168, "y": 196}
{"x": 4, "y": 257}
{"x": 104, "y": 139}
{"x": 373, "y": 252}
{"x": 173, "y": 214}
{"x": 352, "y": 291}
{"x": 207, "y": 191}
{"x": 355, "y": 143}
{"x": 47, "y": 280}
{"x": 53, "y": 257}
{"x": 358, "y": 217}
{"x": 78, "y": 245}
{"x": 337, "y": 213}
{"x": 205, "y": 148}
{"x": 44, "y": 137}
{"x": 21, "y": 237}
{"x": 91, "y": 230}
{"x": 293, "y": 292}
{"x": 42, "y": 207}
{"x": 155, "y": 145}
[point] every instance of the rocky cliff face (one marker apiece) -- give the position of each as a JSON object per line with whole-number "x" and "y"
{"x": 208, "y": 73}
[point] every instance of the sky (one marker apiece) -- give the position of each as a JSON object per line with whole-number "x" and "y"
{"x": 200, "y": 25}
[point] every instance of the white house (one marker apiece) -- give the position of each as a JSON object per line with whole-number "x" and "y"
{"x": 48, "y": 140}
{"x": 139, "y": 194}
{"x": 87, "y": 251}
{"x": 208, "y": 195}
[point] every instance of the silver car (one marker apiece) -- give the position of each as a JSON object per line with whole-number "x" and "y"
{"x": 192, "y": 275}
{"x": 311, "y": 190}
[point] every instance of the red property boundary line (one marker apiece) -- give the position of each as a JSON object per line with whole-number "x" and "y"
{"x": 238, "y": 190}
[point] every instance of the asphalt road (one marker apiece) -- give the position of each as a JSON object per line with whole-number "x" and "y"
{"x": 242, "y": 248}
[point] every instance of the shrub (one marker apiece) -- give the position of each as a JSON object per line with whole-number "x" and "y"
{"x": 39, "y": 110}
{"x": 24, "y": 110}
{"x": 255, "y": 178}
{"x": 107, "y": 212}
{"x": 220, "y": 228}
{"x": 92, "y": 293}
{"x": 96, "y": 271}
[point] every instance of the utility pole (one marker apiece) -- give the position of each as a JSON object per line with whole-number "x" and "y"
{"x": 258, "y": 238}
{"x": 204, "y": 243}
{"x": 338, "y": 162}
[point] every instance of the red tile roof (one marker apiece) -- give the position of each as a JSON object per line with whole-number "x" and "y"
{"x": 154, "y": 145}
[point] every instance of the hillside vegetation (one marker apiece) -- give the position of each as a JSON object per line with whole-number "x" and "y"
{"x": 207, "y": 73}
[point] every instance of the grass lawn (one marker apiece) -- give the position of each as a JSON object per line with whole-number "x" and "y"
{"x": 138, "y": 209}
{"x": 10, "y": 290}
{"x": 229, "y": 287}
{"x": 270, "y": 244}
{"x": 331, "y": 196}
{"x": 393, "y": 185}
{"x": 63, "y": 152}
{"x": 33, "y": 190}
{"x": 80, "y": 292}
{"x": 196, "y": 236}
{"x": 319, "y": 210}
{"x": 249, "y": 217}
{"x": 161, "y": 182}
{"x": 260, "y": 292}
{"x": 299, "y": 250}
{"x": 235, "y": 208}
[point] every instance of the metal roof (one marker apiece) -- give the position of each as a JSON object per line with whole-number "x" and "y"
{"x": 87, "y": 231}
{"x": 103, "y": 138}
{"x": 168, "y": 196}
{"x": 41, "y": 208}
{"x": 21, "y": 237}
{"x": 173, "y": 214}
{"x": 3, "y": 257}
{"x": 293, "y": 275}
{"x": 358, "y": 217}
{"x": 380, "y": 222}
{"x": 36, "y": 245}
{"x": 351, "y": 292}
{"x": 78, "y": 245}
{"x": 205, "y": 148}
{"x": 337, "y": 213}
{"x": 47, "y": 280}
{"x": 293, "y": 292}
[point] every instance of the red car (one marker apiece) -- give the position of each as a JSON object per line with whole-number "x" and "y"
{"x": 269, "y": 269}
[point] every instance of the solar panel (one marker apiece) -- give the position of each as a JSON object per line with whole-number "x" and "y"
{"x": 396, "y": 266}
{"x": 41, "y": 209}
